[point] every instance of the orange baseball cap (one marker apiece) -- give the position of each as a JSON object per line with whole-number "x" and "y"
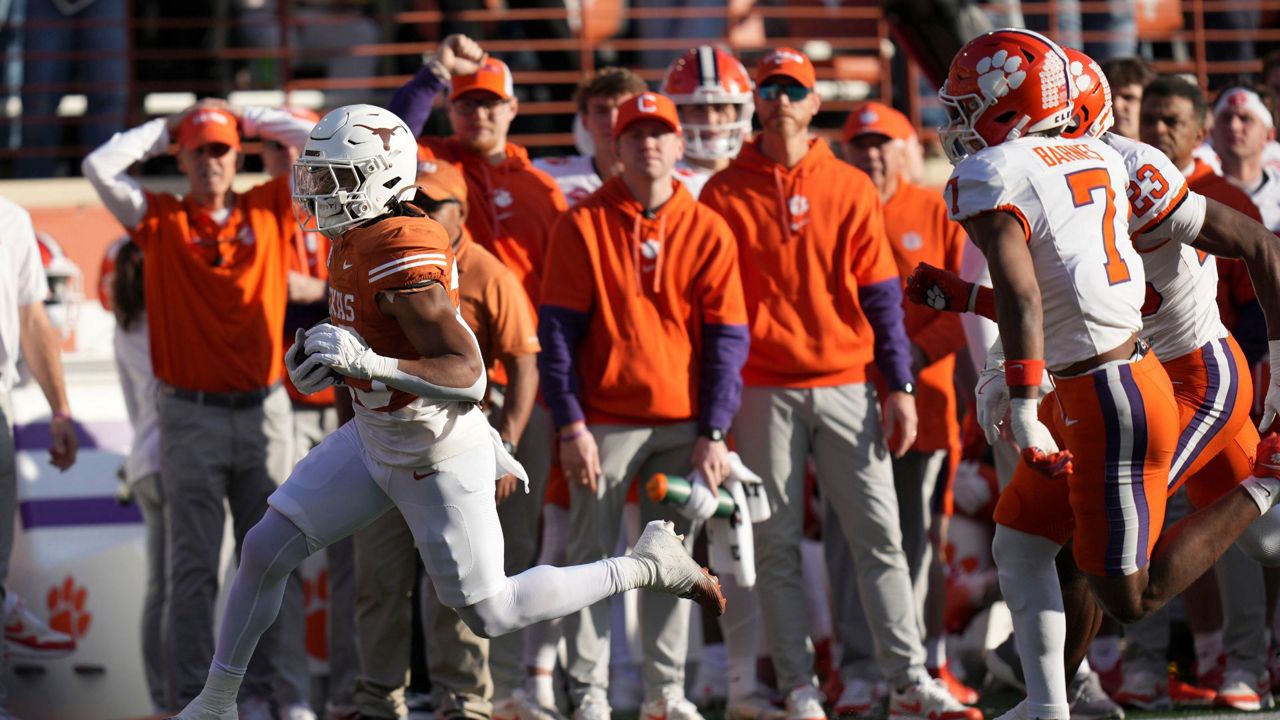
{"x": 787, "y": 62}
{"x": 493, "y": 77}
{"x": 876, "y": 118}
{"x": 647, "y": 106}
{"x": 442, "y": 180}
{"x": 208, "y": 125}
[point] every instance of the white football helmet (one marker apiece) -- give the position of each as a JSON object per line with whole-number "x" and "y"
{"x": 66, "y": 285}
{"x": 358, "y": 160}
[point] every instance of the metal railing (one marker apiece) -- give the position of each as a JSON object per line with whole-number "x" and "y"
{"x": 851, "y": 44}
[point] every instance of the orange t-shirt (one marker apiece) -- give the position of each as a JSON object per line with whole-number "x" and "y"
{"x": 216, "y": 294}
{"x": 809, "y": 237}
{"x": 920, "y": 231}
{"x": 309, "y": 255}
{"x": 649, "y": 284}
{"x": 510, "y": 205}
{"x": 395, "y": 254}
{"x": 494, "y": 306}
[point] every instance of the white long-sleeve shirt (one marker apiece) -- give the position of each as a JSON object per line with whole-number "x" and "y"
{"x": 141, "y": 394}
{"x": 107, "y": 168}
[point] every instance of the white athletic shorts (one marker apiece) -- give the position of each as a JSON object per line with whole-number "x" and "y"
{"x": 337, "y": 489}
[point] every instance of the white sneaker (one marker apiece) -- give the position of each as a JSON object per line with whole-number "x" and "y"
{"x": 677, "y": 572}
{"x": 753, "y": 708}
{"x": 711, "y": 684}
{"x": 1089, "y": 701}
{"x": 1144, "y": 690}
{"x": 298, "y": 711}
{"x": 805, "y": 703}
{"x": 1239, "y": 691}
{"x": 672, "y": 706}
{"x": 856, "y": 699}
{"x": 29, "y": 636}
{"x": 929, "y": 700}
{"x": 593, "y": 707}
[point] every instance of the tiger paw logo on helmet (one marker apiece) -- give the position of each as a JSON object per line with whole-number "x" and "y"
{"x": 1000, "y": 74}
{"x": 1082, "y": 79}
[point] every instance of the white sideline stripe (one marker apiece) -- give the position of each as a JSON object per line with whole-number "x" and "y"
{"x": 395, "y": 270}
{"x": 405, "y": 259}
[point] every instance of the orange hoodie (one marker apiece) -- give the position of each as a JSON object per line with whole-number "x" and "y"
{"x": 812, "y": 244}
{"x": 510, "y": 206}
{"x": 646, "y": 308}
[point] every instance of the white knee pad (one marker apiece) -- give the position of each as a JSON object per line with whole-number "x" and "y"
{"x": 1261, "y": 540}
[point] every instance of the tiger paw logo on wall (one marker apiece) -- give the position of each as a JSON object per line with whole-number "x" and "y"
{"x": 67, "y": 608}
{"x": 1000, "y": 74}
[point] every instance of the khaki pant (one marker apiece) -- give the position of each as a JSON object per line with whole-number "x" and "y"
{"x": 386, "y": 566}
{"x": 776, "y": 431}
{"x": 627, "y": 452}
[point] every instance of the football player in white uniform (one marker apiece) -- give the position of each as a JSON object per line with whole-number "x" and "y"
{"x": 1070, "y": 293}
{"x": 419, "y": 442}
{"x": 712, "y": 92}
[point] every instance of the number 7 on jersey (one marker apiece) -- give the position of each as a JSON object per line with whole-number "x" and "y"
{"x": 1082, "y": 183}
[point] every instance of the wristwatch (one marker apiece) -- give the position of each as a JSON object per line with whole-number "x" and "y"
{"x": 907, "y": 387}
{"x": 714, "y": 434}
{"x": 509, "y": 446}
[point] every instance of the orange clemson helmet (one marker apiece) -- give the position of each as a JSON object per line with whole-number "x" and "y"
{"x": 707, "y": 75}
{"x": 1092, "y": 114}
{"x": 1004, "y": 85}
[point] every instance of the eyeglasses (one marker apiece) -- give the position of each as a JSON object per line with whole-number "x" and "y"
{"x": 794, "y": 93}
{"x": 470, "y": 105}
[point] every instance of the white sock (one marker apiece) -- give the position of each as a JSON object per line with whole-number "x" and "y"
{"x": 1208, "y": 650}
{"x": 1265, "y": 491}
{"x": 219, "y": 692}
{"x": 740, "y": 625}
{"x": 1029, "y": 582}
{"x": 935, "y": 652}
{"x": 542, "y": 685}
{"x": 1104, "y": 652}
{"x": 545, "y": 592}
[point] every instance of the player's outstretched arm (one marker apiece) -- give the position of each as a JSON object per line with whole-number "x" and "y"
{"x": 944, "y": 290}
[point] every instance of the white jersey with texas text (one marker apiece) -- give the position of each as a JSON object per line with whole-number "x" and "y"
{"x": 1071, "y": 198}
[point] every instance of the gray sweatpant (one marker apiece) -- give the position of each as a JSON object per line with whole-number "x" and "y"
{"x": 777, "y": 430}
{"x": 915, "y": 475}
{"x": 626, "y": 452}
{"x": 211, "y": 455}
{"x": 149, "y": 496}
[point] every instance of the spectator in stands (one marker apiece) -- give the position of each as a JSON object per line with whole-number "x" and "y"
{"x": 70, "y": 47}
{"x": 121, "y": 292}
{"x": 597, "y": 100}
{"x": 791, "y": 204}
{"x": 25, "y": 329}
{"x": 215, "y": 291}
{"x": 1127, "y": 76}
{"x": 876, "y": 137}
{"x": 644, "y": 279}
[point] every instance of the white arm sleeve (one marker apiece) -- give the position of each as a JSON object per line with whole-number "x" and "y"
{"x": 279, "y": 125}
{"x": 979, "y": 332}
{"x": 1183, "y": 224}
{"x": 107, "y": 169}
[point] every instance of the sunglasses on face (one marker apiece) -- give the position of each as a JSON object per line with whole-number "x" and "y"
{"x": 794, "y": 93}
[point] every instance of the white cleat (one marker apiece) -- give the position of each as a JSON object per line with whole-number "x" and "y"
{"x": 753, "y": 708}
{"x": 593, "y": 708}
{"x": 676, "y": 572}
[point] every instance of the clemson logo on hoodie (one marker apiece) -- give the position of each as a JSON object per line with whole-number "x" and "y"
{"x": 649, "y": 250}
{"x": 797, "y": 208}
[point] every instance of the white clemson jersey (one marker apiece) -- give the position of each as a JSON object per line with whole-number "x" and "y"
{"x": 1070, "y": 196}
{"x": 693, "y": 176}
{"x": 575, "y": 174}
{"x": 1180, "y": 313}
